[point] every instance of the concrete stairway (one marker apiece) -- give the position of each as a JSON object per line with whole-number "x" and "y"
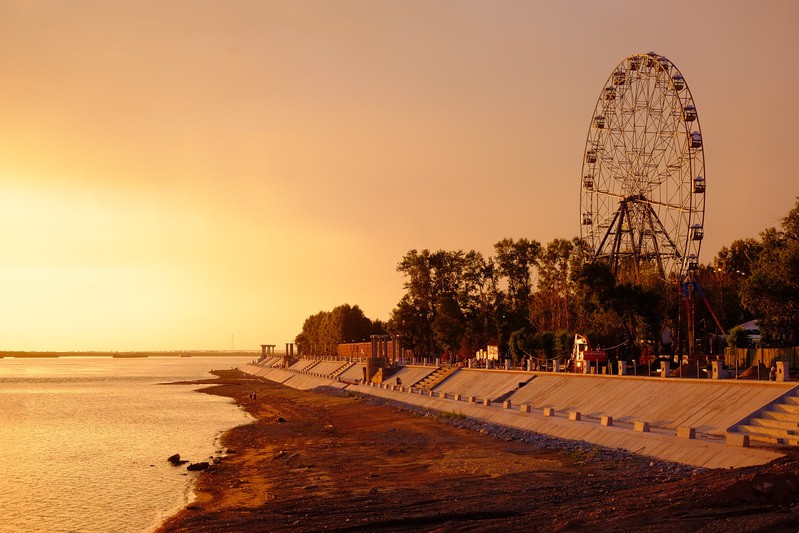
{"x": 435, "y": 378}
{"x": 777, "y": 424}
{"x": 510, "y": 393}
{"x": 343, "y": 368}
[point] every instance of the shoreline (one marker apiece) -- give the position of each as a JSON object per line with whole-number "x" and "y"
{"x": 127, "y": 354}
{"x": 342, "y": 462}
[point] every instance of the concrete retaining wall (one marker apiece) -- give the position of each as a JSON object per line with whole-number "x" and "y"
{"x": 644, "y": 396}
{"x": 353, "y": 373}
{"x": 482, "y": 384}
{"x": 410, "y": 375}
{"x": 710, "y": 406}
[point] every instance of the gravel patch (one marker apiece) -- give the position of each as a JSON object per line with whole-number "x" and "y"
{"x": 580, "y": 451}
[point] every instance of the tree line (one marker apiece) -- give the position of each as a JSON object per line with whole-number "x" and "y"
{"x": 527, "y": 299}
{"x": 759, "y": 278}
{"x": 530, "y": 298}
{"x": 322, "y": 332}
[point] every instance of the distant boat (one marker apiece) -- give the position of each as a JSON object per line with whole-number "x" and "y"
{"x": 185, "y": 355}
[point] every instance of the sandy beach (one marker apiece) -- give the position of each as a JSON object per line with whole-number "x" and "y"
{"x": 335, "y": 462}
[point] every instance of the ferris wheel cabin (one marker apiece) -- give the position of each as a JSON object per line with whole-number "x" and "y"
{"x": 699, "y": 185}
{"x": 696, "y": 139}
{"x": 599, "y": 121}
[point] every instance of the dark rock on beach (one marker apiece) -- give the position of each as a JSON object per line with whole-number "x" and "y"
{"x": 175, "y": 460}
{"x": 194, "y": 467}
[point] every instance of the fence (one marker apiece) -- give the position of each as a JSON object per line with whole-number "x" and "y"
{"x": 746, "y": 357}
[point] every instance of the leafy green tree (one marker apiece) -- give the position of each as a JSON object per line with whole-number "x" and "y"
{"x": 407, "y": 320}
{"x": 639, "y": 310}
{"x": 379, "y": 327}
{"x": 611, "y": 313}
{"x": 521, "y": 344}
{"x": 546, "y": 341}
{"x": 722, "y": 282}
{"x": 414, "y": 315}
{"x": 478, "y": 300}
{"x": 322, "y": 332}
{"x": 449, "y": 325}
{"x": 771, "y": 292}
{"x": 431, "y": 279}
{"x": 595, "y": 317}
{"x": 564, "y": 342}
{"x": 739, "y": 337}
{"x": 551, "y": 306}
{"x": 515, "y": 264}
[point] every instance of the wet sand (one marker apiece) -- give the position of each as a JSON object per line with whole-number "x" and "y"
{"x": 337, "y": 462}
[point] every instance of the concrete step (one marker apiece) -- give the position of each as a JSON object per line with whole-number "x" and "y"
{"x": 772, "y": 423}
{"x": 786, "y": 407}
{"x": 764, "y": 438}
{"x": 760, "y": 430}
{"x": 780, "y": 415}
{"x": 436, "y": 377}
{"x": 430, "y": 379}
{"x": 338, "y": 372}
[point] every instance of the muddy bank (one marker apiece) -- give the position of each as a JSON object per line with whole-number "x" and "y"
{"x": 335, "y": 462}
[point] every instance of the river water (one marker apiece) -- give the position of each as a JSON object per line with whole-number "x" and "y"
{"x": 84, "y": 440}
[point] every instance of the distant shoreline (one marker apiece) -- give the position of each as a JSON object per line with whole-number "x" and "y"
{"x": 133, "y": 355}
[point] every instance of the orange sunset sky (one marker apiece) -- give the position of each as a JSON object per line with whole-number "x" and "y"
{"x": 205, "y": 174}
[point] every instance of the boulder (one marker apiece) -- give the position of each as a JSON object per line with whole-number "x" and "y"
{"x": 175, "y": 460}
{"x": 194, "y": 467}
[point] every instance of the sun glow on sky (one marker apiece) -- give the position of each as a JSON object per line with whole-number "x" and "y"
{"x": 174, "y": 174}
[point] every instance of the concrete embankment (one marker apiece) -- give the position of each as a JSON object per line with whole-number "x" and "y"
{"x": 679, "y": 420}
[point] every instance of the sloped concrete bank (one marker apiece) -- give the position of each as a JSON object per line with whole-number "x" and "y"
{"x": 637, "y": 415}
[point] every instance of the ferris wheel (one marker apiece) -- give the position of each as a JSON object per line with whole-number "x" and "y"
{"x": 642, "y": 197}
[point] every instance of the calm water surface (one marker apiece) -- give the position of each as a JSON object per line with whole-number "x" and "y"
{"x": 84, "y": 440}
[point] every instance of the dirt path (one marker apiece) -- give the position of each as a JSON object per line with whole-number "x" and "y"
{"x": 320, "y": 462}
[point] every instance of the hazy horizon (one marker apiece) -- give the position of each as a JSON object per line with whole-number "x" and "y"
{"x": 174, "y": 175}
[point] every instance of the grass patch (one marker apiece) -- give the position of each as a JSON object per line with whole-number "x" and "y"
{"x": 450, "y": 415}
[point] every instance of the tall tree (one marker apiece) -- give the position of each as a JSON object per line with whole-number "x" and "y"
{"x": 430, "y": 279}
{"x": 478, "y": 301}
{"x": 449, "y": 325}
{"x": 515, "y": 263}
{"x": 612, "y": 313}
{"x": 771, "y": 292}
{"x": 322, "y": 332}
{"x": 550, "y": 309}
